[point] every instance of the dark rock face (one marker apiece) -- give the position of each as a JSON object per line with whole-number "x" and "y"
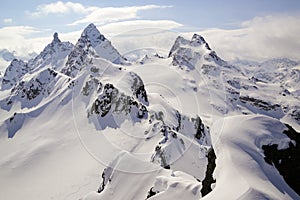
{"x": 161, "y": 155}
{"x": 259, "y": 103}
{"x": 209, "y": 180}
{"x": 199, "y": 126}
{"x": 112, "y": 100}
{"x": 151, "y": 193}
{"x": 296, "y": 114}
{"x": 102, "y": 105}
{"x": 138, "y": 88}
{"x": 286, "y": 161}
{"x": 105, "y": 179}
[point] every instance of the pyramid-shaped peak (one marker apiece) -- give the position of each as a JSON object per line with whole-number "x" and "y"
{"x": 90, "y": 28}
{"x": 55, "y": 38}
{"x": 93, "y": 34}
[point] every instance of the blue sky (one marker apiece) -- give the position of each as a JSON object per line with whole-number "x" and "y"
{"x": 193, "y": 14}
{"x": 258, "y": 29}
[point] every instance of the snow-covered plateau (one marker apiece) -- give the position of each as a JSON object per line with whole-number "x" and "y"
{"x": 85, "y": 122}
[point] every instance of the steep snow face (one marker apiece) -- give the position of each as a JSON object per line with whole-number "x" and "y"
{"x": 240, "y": 165}
{"x": 33, "y": 88}
{"x": 91, "y": 44}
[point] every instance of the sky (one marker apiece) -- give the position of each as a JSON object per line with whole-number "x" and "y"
{"x": 236, "y": 29}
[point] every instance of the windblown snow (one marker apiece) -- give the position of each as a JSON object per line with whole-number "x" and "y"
{"x": 84, "y": 122}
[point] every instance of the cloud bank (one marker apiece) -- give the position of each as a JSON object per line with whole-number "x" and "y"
{"x": 258, "y": 39}
{"x": 105, "y": 15}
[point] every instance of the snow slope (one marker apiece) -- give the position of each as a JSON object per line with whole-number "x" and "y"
{"x": 238, "y": 142}
{"x": 80, "y": 121}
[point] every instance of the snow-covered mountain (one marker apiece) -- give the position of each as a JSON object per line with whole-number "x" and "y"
{"x": 82, "y": 122}
{"x": 54, "y": 55}
{"x": 7, "y": 56}
{"x": 91, "y": 44}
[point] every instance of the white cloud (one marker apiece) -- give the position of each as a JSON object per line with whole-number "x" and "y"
{"x": 70, "y": 36}
{"x": 141, "y": 34}
{"x": 7, "y": 20}
{"x": 258, "y": 39}
{"x": 121, "y": 28}
{"x": 21, "y": 40}
{"x": 59, "y": 8}
{"x": 113, "y": 14}
{"x": 97, "y": 15}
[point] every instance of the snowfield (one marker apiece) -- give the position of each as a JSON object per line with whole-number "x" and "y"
{"x": 85, "y": 122}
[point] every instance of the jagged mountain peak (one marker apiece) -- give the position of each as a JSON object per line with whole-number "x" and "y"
{"x": 55, "y": 38}
{"x": 93, "y": 35}
{"x": 189, "y": 52}
{"x": 196, "y": 41}
{"x": 53, "y": 54}
{"x": 92, "y": 44}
